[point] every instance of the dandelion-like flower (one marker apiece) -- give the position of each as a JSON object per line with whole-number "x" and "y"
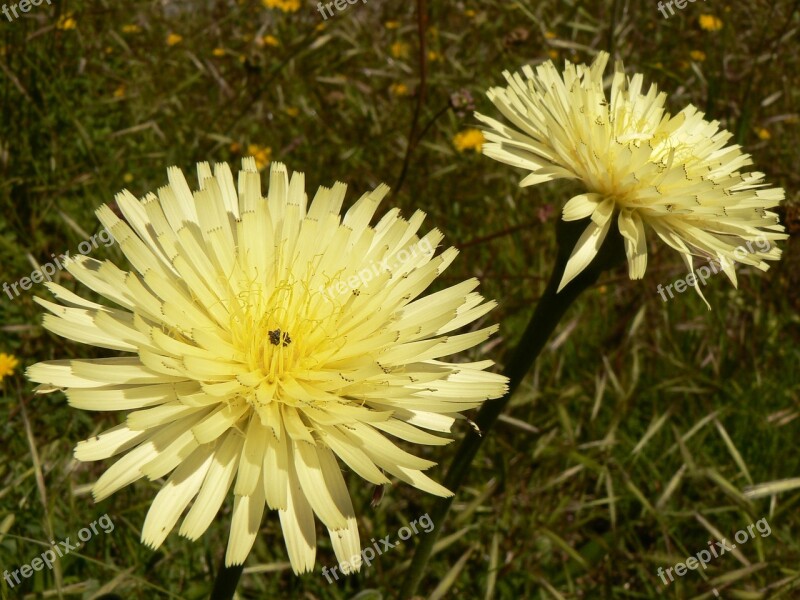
{"x": 674, "y": 174}
{"x": 8, "y": 362}
{"x": 469, "y": 139}
{"x": 266, "y": 341}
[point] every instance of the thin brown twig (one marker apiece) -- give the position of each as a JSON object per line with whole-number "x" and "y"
{"x": 422, "y": 26}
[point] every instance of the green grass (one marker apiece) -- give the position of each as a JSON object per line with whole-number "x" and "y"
{"x": 640, "y": 425}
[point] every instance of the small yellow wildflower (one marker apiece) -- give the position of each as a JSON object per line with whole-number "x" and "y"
{"x": 131, "y": 28}
{"x": 120, "y": 91}
{"x": 710, "y": 22}
{"x": 433, "y": 56}
{"x": 469, "y": 139}
{"x": 8, "y": 362}
{"x": 284, "y": 5}
{"x": 235, "y": 147}
{"x": 218, "y": 52}
{"x": 392, "y": 24}
{"x": 174, "y": 38}
{"x": 399, "y": 89}
{"x": 270, "y": 40}
{"x": 553, "y": 53}
{"x": 550, "y": 35}
{"x": 292, "y": 111}
{"x": 262, "y": 154}
{"x": 698, "y": 55}
{"x": 399, "y": 50}
{"x": 66, "y": 22}
{"x": 469, "y": 13}
{"x": 321, "y": 27}
{"x": 127, "y": 178}
{"x": 763, "y": 133}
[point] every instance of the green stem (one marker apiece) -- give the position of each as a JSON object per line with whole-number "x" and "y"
{"x": 551, "y": 308}
{"x": 226, "y": 581}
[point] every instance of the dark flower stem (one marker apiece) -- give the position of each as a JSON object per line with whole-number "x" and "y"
{"x": 551, "y": 308}
{"x": 226, "y": 581}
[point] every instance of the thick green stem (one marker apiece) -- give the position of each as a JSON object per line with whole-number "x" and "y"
{"x": 226, "y": 582}
{"x": 551, "y": 308}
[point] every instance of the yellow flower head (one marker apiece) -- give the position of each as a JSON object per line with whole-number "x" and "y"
{"x": 399, "y": 89}
{"x": 270, "y": 40}
{"x": 284, "y": 5}
{"x": 710, "y": 22}
{"x": 697, "y": 55}
{"x": 8, "y": 362}
{"x": 173, "y": 39}
{"x": 131, "y": 28}
{"x": 261, "y": 154}
{"x": 763, "y": 133}
{"x": 392, "y": 24}
{"x": 66, "y": 22}
{"x": 292, "y": 111}
{"x": 218, "y": 52}
{"x": 469, "y": 139}
{"x": 399, "y": 50}
{"x": 639, "y": 166}
{"x": 120, "y": 91}
{"x": 267, "y": 340}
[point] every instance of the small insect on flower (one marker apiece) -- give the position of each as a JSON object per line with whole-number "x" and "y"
{"x": 250, "y": 362}
{"x": 638, "y": 164}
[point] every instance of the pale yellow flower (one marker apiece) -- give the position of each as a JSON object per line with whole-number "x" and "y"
{"x": 710, "y": 22}
{"x": 265, "y": 340}
{"x": 469, "y": 139}
{"x": 8, "y": 362}
{"x": 639, "y": 166}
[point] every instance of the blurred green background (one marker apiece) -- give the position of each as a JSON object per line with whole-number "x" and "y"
{"x": 628, "y": 447}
